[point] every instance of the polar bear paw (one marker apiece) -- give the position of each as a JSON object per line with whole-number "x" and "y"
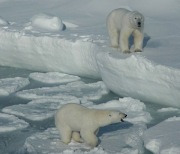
{"x": 137, "y": 50}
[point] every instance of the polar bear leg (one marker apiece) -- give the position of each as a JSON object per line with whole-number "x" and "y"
{"x": 90, "y": 138}
{"x": 66, "y": 133}
{"x": 76, "y": 137}
{"x": 114, "y": 37}
{"x": 138, "y": 41}
{"x": 124, "y": 40}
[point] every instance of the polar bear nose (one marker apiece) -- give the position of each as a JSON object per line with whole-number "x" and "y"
{"x": 139, "y": 23}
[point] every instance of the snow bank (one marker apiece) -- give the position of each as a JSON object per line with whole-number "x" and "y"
{"x": 10, "y": 123}
{"x": 48, "y": 53}
{"x": 139, "y": 78}
{"x": 163, "y": 138}
{"x": 91, "y": 91}
{"x": 53, "y": 78}
{"x": 45, "y": 23}
{"x": 11, "y": 85}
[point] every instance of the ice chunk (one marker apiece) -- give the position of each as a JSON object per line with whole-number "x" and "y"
{"x": 168, "y": 109}
{"x": 53, "y": 77}
{"x": 126, "y": 139}
{"x": 44, "y": 22}
{"x": 139, "y": 78}
{"x": 3, "y": 22}
{"x": 135, "y": 109}
{"x": 11, "y": 85}
{"x": 164, "y": 138}
{"x": 11, "y": 123}
{"x": 91, "y": 91}
{"x": 38, "y": 110}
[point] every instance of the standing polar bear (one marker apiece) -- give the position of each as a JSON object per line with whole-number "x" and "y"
{"x": 82, "y": 124}
{"x": 121, "y": 23}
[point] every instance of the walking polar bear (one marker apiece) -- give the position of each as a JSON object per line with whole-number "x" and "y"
{"x": 82, "y": 124}
{"x": 121, "y": 23}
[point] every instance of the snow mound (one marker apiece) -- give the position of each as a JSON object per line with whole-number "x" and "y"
{"x": 53, "y": 78}
{"x": 10, "y": 123}
{"x": 163, "y": 138}
{"x": 46, "y": 23}
{"x": 11, "y": 85}
{"x": 38, "y": 110}
{"x": 137, "y": 77}
{"x": 91, "y": 91}
{"x": 135, "y": 110}
{"x": 3, "y": 22}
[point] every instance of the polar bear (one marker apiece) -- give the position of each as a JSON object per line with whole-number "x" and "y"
{"x": 121, "y": 23}
{"x": 82, "y": 124}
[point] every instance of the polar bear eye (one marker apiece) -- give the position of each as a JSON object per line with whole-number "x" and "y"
{"x": 135, "y": 18}
{"x": 109, "y": 115}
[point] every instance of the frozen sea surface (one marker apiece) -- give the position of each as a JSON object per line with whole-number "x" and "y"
{"x": 70, "y": 36}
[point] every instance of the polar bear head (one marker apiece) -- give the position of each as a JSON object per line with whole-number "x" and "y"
{"x": 136, "y": 20}
{"x": 106, "y": 117}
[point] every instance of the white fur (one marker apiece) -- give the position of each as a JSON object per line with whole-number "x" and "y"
{"x": 121, "y": 23}
{"x": 76, "y": 121}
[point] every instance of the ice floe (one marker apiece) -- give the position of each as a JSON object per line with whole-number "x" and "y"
{"x": 53, "y": 77}
{"x": 11, "y": 85}
{"x": 3, "y": 22}
{"x": 79, "y": 89}
{"x": 168, "y": 109}
{"x": 38, "y": 110}
{"x": 119, "y": 141}
{"x": 10, "y": 123}
{"x": 164, "y": 138}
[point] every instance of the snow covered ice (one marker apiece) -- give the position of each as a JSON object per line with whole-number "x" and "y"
{"x": 11, "y": 123}
{"x": 91, "y": 91}
{"x": 61, "y": 53}
{"x": 164, "y": 138}
{"x": 53, "y": 78}
{"x": 11, "y": 85}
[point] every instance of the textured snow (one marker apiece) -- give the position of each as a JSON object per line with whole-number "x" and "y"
{"x": 156, "y": 83}
{"x": 91, "y": 91}
{"x": 10, "y": 123}
{"x": 11, "y": 85}
{"x": 164, "y": 138}
{"x": 53, "y": 78}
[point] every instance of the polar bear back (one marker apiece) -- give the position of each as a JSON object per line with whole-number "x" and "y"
{"x": 73, "y": 115}
{"x": 116, "y": 17}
